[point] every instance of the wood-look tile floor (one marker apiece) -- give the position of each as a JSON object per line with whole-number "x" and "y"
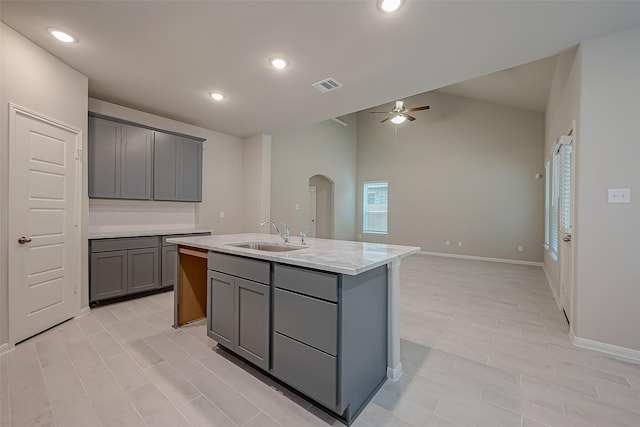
{"x": 483, "y": 344}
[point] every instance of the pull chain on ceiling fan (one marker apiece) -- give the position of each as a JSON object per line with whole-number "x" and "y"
{"x": 399, "y": 113}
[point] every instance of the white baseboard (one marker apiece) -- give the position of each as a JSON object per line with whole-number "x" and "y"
{"x": 83, "y": 311}
{"x": 627, "y": 354}
{"x": 4, "y": 348}
{"x": 553, "y": 291}
{"x": 481, "y": 258}
{"x": 395, "y": 373}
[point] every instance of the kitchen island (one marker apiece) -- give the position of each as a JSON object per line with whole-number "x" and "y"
{"x": 321, "y": 317}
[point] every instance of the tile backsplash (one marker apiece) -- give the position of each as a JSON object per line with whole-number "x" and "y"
{"x": 142, "y": 215}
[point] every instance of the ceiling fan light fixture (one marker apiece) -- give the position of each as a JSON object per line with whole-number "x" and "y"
{"x": 217, "y": 96}
{"x": 398, "y": 119}
{"x": 63, "y": 36}
{"x": 388, "y": 6}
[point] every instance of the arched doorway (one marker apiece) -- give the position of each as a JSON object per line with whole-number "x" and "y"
{"x": 320, "y": 222}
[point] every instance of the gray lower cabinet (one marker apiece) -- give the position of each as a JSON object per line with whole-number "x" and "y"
{"x": 330, "y": 335}
{"x": 143, "y": 269}
{"x": 129, "y": 265}
{"x": 123, "y": 266}
{"x": 324, "y": 334}
{"x": 108, "y": 275}
{"x": 169, "y": 264}
{"x": 238, "y": 308}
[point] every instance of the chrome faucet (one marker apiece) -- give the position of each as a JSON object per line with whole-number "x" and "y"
{"x": 286, "y": 232}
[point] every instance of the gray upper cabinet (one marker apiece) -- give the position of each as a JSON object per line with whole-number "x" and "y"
{"x": 120, "y": 160}
{"x": 133, "y": 162}
{"x": 165, "y": 159}
{"x": 178, "y": 168}
{"x": 104, "y": 158}
{"x": 137, "y": 163}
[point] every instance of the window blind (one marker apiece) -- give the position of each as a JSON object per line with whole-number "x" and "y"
{"x": 564, "y": 187}
{"x": 554, "y": 203}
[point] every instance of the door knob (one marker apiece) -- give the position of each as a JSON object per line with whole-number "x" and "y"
{"x": 24, "y": 240}
{"x": 567, "y": 238}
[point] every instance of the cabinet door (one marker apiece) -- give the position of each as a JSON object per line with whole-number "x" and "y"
{"x": 104, "y": 158}
{"x": 190, "y": 168}
{"x": 136, "y": 163}
{"x": 220, "y": 308}
{"x": 143, "y": 269}
{"x": 165, "y": 170}
{"x": 252, "y": 321}
{"x": 108, "y": 275}
{"x": 169, "y": 265}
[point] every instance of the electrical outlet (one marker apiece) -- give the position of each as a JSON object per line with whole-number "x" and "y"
{"x": 460, "y": 243}
{"x": 221, "y": 214}
{"x": 520, "y": 248}
{"x": 297, "y": 207}
{"x": 619, "y": 195}
{"x": 447, "y": 243}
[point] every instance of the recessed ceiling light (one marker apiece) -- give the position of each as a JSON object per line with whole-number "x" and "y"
{"x": 389, "y": 5}
{"x": 279, "y": 63}
{"x": 61, "y": 35}
{"x": 217, "y": 96}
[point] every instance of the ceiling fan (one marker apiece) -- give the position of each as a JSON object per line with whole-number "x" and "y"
{"x": 399, "y": 113}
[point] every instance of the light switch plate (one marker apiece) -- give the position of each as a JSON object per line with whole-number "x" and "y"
{"x": 619, "y": 195}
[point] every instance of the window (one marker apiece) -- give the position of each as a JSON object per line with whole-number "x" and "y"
{"x": 564, "y": 189}
{"x": 374, "y": 218}
{"x": 547, "y": 183}
{"x": 561, "y": 195}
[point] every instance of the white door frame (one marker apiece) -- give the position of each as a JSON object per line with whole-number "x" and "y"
{"x": 568, "y": 271}
{"x": 14, "y": 109}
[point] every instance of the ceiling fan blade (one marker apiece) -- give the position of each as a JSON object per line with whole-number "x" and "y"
{"x": 410, "y": 118}
{"x": 382, "y": 121}
{"x": 424, "y": 107}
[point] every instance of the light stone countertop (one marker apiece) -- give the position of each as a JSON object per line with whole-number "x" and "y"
{"x": 141, "y": 233}
{"x": 337, "y": 256}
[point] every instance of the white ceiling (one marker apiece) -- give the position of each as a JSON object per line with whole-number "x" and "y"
{"x": 164, "y": 57}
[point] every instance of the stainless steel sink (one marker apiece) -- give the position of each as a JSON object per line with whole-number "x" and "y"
{"x": 268, "y": 246}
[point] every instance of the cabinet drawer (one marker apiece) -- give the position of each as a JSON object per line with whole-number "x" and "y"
{"x": 174, "y": 236}
{"x": 120, "y": 244}
{"x": 312, "y": 372}
{"x": 258, "y": 271}
{"x": 306, "y": 319}
{"x": 309, "y": 282}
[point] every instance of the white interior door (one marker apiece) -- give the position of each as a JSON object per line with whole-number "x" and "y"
{"x": 44, "y": 245}
{"x": 313, "y": 211}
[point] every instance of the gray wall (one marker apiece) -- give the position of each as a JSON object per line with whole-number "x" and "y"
{"x": 325, "y": 148}
{"x": 607, "y": 236}
{"x": 32, "y": 78}
{"x": 463, "y": 171}
{"x": 222, "y": 167}
{"x": 256, "y": 189}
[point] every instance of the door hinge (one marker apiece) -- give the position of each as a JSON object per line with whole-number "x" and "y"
{"x": 78, "y": 150}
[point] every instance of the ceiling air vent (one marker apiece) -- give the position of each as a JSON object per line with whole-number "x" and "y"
{"x": 327, "y": 85}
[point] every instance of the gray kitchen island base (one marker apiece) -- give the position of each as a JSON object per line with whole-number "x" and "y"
{"x": 322, "y": 318}
{"x": 322, "y": 334}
